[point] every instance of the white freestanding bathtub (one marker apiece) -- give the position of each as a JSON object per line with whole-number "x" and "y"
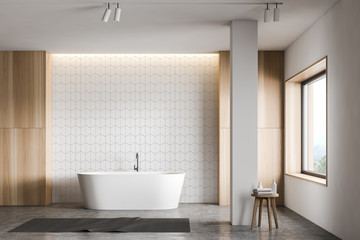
{"x": 131, "y": 190}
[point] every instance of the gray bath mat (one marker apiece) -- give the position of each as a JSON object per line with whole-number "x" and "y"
{"x": 105, "y": 225}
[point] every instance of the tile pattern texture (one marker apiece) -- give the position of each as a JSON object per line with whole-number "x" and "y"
{"x": 105, "y": 108}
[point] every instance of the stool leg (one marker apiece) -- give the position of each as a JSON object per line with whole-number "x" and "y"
{"x": 254, "y": 213}
{"x": 275, "y": 212}
{"x": 260, "y": 211}
{"x": 269, "y": 213}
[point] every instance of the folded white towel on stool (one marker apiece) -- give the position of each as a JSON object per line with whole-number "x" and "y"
{"x": 262, "y": 191}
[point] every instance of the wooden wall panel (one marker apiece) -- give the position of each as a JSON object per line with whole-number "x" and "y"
{"x": 224, "y": 167}
{"x": 7, "y": 167}
{"x": 22, "y": 174}
{"x": 272, "y": 160}
{"x": 270, "y": 120}
{"x": 7, "y": 101}
{"x": 270, "y": 89}
{"x": 29, "y": 89}
{"x": 22, "y": 82}
{"x": 224, "y": 128}
{"x": 48, "y": 88}
{"x": 224, "y": 90}
{"x": 25, "y": 128}
{"x": 30, "y": 166}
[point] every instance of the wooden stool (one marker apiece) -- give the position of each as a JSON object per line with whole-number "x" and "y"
{"x": 270, "y": 202}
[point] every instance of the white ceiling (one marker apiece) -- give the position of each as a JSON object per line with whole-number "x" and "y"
{"x": 147, "y": 26}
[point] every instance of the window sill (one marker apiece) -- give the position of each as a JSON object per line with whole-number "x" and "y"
{"x": 309, "y": 178}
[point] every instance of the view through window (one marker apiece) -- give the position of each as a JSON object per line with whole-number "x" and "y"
{"x": 314, "y": 126}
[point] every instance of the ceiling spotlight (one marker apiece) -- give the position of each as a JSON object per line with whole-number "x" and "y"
{"x": 117, "y": 13}
{"x": 107, "y": 13}
{"x": 267, "y": 13}
{"x": 276, "y": 13}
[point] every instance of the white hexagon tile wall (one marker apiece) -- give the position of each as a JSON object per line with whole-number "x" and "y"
{"x": 105, "y": 108}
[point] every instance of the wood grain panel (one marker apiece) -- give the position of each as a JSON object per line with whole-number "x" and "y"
{"x": 30, "y": 166}
{"x": 7, "y": 101}
{"x": 224, "y": 90}
{"x": 48, "y": 129}
{"x": 224, "y": 167}
{"x": 314, "y": 69}
{"x": 292, "y": 127}
{"x": 224, "y": 128}
{"x": 270, "y": 120}
{"x": 25, "y": 128}
{"x": 271, "y": 161}
{"x": 270, "y": 89}
{"x": 29, "y": 89}
{"x": 8, "y": 172}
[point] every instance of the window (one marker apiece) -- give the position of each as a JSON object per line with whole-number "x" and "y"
{"x": 313, "y": 95}
{"x": 305, "y": 120}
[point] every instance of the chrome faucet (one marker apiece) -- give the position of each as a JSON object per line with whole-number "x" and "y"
{"x": 136, "y": 168}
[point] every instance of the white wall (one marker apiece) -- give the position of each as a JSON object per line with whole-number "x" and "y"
{"x": 108, "y": 107}
{"x": 336, "y": 207}
{"x": 244, "y": 79}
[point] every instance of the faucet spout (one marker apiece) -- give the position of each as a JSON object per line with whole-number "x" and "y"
{"x": 136, "y": 168}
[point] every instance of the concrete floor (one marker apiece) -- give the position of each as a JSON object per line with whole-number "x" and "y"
{"x": 207, "y": 222}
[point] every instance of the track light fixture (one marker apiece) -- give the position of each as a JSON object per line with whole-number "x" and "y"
{"x": 107, "y": 13}
{"x": 117, "y": 13}
{"x": 267, "y": 13}
{"x": 276, "y": 12}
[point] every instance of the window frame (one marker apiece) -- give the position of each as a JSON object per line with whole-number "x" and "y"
{"x": 315, "y": 78}
{"x": 293, "y": 122}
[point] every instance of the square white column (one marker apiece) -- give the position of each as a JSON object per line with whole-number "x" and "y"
{"x": 244, "y": 107}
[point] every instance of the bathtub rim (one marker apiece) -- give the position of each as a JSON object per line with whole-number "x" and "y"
{"x": 126, "y": 173}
